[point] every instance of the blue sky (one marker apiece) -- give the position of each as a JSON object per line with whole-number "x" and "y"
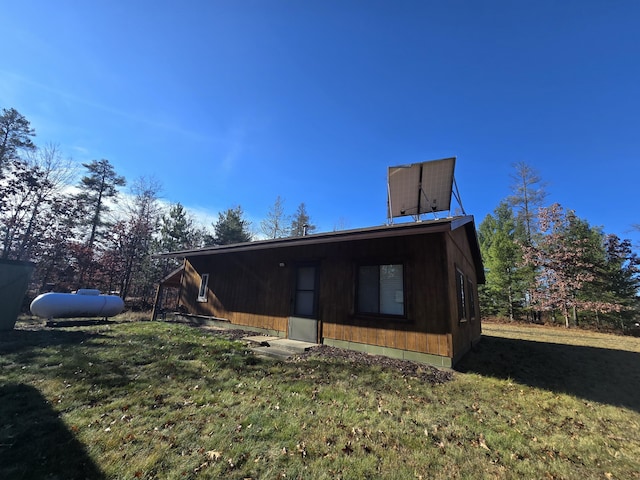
{"x": 237, "y": 102}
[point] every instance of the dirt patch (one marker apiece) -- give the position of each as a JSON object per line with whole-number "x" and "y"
{"x": 423, "y": 372}
{"x": 406, "y": 368}
{"x": 230, "y": 333}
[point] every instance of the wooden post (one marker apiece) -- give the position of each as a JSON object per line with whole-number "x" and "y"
{"x": 156, "y": 302}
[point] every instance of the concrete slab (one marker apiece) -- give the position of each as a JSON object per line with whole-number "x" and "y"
{"x": 272, "y": 352}
{"x": 295, "y": 346}
{"x": 278, "y": 347}
{"x": 260, "y": 338}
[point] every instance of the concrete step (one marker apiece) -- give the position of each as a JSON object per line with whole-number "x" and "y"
{"x": 295, "y": 346}
{"x": 278, "y": 347}
{"x": 261, "y": 339}
{"x": 272, "y": 352}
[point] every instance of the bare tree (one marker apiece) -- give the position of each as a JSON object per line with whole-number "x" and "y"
{"x": 565, "y": 263}
{"x": 55, "y": 173}
{"x": 277, "y": 223}
{"x": 132, "y": 238}
{"x": 528, "y": 194}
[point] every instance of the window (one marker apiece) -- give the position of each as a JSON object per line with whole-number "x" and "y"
{"x": 472, "y": 300}
{"x": 381, "y": 289}
{"x": 462, "y": 306}
{"x": 202, "y": 291}
{"x": 305, "y": 291}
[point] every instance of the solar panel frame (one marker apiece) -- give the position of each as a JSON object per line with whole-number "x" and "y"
{"x": 420, "y": 188}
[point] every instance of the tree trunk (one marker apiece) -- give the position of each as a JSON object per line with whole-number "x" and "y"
{"x": 510, "y": 304}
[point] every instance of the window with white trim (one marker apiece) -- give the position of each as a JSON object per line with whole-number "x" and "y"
{"x": 204, "y": 288}
{"x": 381, "y": 289}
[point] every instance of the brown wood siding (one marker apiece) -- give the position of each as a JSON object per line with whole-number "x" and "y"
{"x": 459, "y": 256}
{"x": 426, "y": 306}
{"x": 245, "y": 289}
{"x": 251, "y": 288}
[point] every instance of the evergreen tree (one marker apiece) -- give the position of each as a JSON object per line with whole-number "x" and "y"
{"x": 619, "y": 282}
{"x": 177, "y": 232}
{"x": 301, "y": 222}
{"x": 590, "y": 296}
{"x": 231, "y": 227}
{"x": 15, "y": 133}
{"x": 504, "y": 291}
{"x": 96, "y": 188}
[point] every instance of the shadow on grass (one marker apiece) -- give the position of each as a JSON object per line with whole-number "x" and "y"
{"x": 16, "y": 341}
{"x": 35, "y": 443}
{"x": 593, "y": 374}
{"x": 88, "y": 322}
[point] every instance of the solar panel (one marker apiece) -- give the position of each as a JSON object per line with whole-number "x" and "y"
{"x": 420, "y": 188}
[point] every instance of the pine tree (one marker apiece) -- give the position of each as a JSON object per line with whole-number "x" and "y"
{"x": 177, "y": 232}
{"x": 504, "y": 291}
{"x": 231, "y": 227}
{"x": 301, "y": 223}
{"x": 619, "y": 282}
{"x": 96, "y": 188}
{"x": 15, "y": 133}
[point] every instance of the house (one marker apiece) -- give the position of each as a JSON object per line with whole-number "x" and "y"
{"x": 406, "y": 290}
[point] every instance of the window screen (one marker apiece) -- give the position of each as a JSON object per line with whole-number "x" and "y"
{"x": 381, "y": 289}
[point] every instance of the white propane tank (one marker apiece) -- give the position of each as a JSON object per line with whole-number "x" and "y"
{"x": 83, "y": 303}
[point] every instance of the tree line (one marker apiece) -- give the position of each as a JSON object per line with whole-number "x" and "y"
{"x": 544, "y": 263}
{"x": 85, "y": 233}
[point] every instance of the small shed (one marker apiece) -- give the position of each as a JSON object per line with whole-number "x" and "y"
{"x": 407, "y": 290}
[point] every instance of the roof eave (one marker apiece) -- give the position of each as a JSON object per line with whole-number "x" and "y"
{"x": 320, "y": 238}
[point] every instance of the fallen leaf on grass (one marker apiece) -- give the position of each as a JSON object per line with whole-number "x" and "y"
{"x": 213, "y": 455}
{"x": 347, "y": 450}
{"x": 301, "y": 447}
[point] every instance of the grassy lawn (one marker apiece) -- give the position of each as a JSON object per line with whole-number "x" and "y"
{"x": 158, "y": 400}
